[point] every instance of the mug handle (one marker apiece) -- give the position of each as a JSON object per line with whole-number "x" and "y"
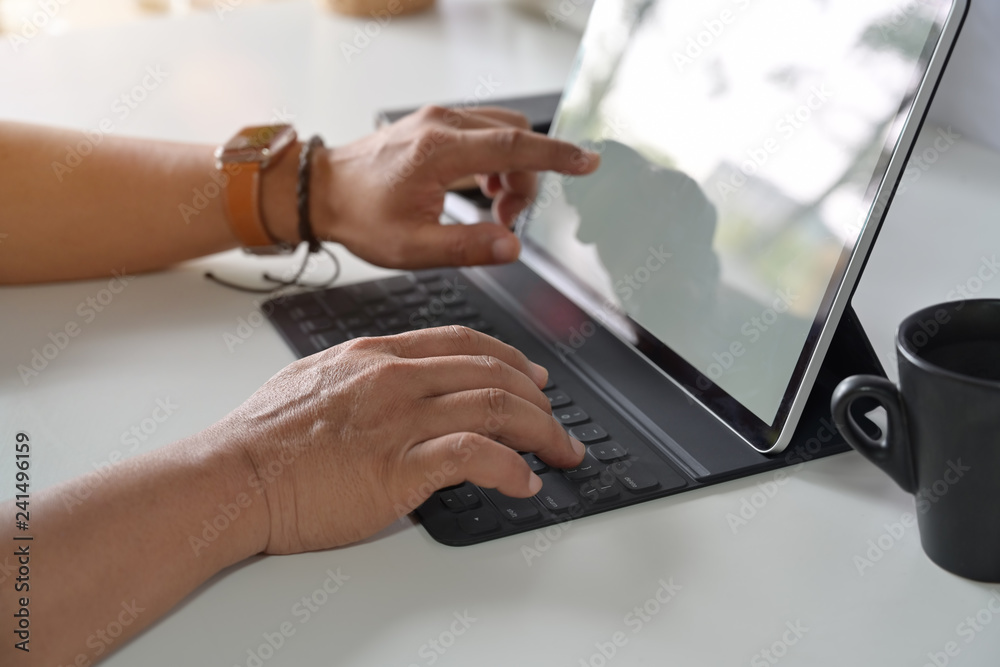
{"x": 892, "y": 452}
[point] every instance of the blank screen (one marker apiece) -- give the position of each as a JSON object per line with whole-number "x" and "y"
{"x": 740, "y": 143}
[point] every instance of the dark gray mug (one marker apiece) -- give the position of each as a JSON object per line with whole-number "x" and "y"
{"x": 943, "y": 437}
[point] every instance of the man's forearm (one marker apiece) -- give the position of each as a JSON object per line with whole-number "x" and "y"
{"x": 113, "y": 551}
{"x": 130, "y": 204}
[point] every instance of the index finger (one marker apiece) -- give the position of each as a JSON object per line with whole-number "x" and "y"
{"x": 508, "y": 149}
{"x": 456, "y": 340}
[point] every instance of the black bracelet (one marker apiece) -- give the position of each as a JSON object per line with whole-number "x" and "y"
{"x": 306, "y": 232}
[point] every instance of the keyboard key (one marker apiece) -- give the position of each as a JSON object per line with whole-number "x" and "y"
{"x": 438, "y": 287}
{"x": 588, "y": 433}
{"x": 391, "y": 323}
{"x": 327, "y": 339}
{"x": 449, "y": 296}
{"x": 460, "y": 498}
{"x": 608, "y": 451}
{"x": 478, "y": 522}
{"x": 468, "y": 496}
{"x": 366, "y": 292}
{"x": 337, "y": 302}
{"x": 570, "y": 415}
{"x": 558, "y": 398}
{"x": 415, "y": 298}
{"x": 461, "y": 313}
{"x": 294, "y": 300}
{"x": 398, "y": 284}
{"x": 637, "y": 479}
{"x": 535, "y": 463}
{"x": 600, "y": 490}
{"x": 516, "y": 510}
{"x": 382, "y": 308}
{"x": 589, "y": 467}
{"x": 427, "y": 276}
{"x": 667, "y": 478}
{"x": 307, "y": 311}
{"x": 549, "y": 384}
{"x": 318, "y": 324}
{"x": 556, "y": 494}
{"x": 361, "y": 333}
{"x": 480, "y": 325}
{"x": 450, "y": 500}
{"x": 353, "y": 322}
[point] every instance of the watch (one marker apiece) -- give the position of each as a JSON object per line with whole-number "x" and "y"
{"x": 242, "y": 159}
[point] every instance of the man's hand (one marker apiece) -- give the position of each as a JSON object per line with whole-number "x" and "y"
{"x": 346, "y": 441}
{"x": 382, "y": 196}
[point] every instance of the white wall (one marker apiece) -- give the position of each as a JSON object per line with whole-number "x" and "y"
{"x": 969, "y": 96}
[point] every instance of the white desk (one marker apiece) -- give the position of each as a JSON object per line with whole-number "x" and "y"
{"x": 163, "y": 337}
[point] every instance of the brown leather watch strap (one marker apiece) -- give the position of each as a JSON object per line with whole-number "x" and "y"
{"x": 243, "y": 204}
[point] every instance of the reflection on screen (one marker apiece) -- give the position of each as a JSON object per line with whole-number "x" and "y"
{"x": 738, "y": 140}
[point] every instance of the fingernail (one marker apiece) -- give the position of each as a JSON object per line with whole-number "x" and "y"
{"x": 541, "y": 374}
{"x": 578, "y": 447}
{"x": 506, "y": 249}
{"x": 586, "y": 160}
{"x": 534, "y": 484}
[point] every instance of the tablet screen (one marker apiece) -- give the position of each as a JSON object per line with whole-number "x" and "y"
{"x": 743, "y": 143}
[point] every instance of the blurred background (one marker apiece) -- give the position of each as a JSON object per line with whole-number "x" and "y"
{"x": 76, "y": 14}
{"x": 79, "y": 14}
{"x": 968, "y": 100}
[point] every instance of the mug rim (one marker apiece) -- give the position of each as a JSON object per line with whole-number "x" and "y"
{"x": 904, "y": 345}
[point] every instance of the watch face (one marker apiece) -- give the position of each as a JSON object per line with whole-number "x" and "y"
{"x": 257, "y": 143}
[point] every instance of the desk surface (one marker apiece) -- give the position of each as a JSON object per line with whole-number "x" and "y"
{"x": 555, "y": 598}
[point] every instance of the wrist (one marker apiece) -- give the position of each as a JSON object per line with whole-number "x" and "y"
{"x": 227, "y": 484}
{"x": 322, "y": 202}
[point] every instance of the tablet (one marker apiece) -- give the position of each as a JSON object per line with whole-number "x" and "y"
{"x": 750, "y": 149}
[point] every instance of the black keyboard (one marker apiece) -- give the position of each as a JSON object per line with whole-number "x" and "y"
{"x": 619, "y": 469}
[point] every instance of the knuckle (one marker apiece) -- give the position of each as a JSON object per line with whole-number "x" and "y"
{"x": 431, "y": 111}
{"x": 461, "y": 443}
{"x": 385, "y": 377}
{"x": 457, "y": 443}
{"x": 496, "y": 400}
{"x": 425, "y": 142}
{"x": 459, "y": 248}
{"x": 375, "y": 352}
{"x": 393, "y": 346}
{"x": 453, "y": 117}
{"x": 403, "y": 343}
{"x": 391, "y": 368}
{"x": 493, "y": 366}
{"x": 361, "y": 344}
{"x": 509, "y": 139}
{"x": 461, "y": 337}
